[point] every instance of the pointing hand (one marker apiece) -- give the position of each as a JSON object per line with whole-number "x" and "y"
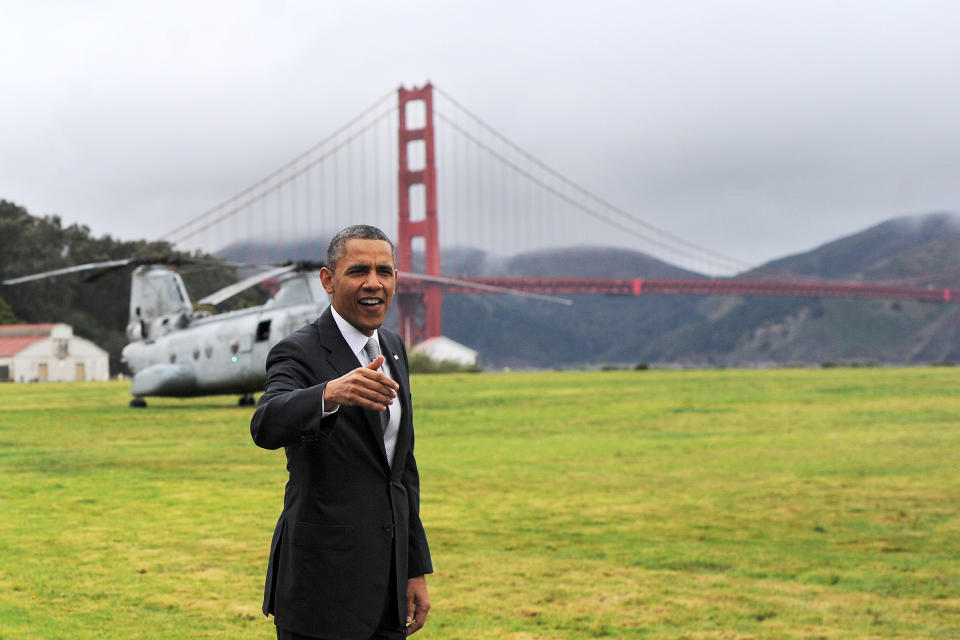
{"x": 364, "y": 387}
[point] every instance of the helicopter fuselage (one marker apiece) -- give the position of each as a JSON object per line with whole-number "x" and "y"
{"x": 219, "y": 354}
{"x": 177, "y": 351}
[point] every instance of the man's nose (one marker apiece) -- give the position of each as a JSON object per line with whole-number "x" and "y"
{"x": 371, "y": 281}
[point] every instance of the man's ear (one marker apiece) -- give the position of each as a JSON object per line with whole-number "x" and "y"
{"x": 326, "y": 279}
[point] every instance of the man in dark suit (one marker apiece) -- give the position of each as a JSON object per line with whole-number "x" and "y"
{"x": 349, "y": 553}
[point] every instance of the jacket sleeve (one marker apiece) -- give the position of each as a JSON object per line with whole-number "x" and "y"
{"x": 290, "y": 409}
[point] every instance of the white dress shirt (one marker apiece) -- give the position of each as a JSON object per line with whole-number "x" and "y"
{"x": 356, "y": 340}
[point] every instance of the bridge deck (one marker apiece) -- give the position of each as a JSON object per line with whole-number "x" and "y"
{"x": 705, "y": 287}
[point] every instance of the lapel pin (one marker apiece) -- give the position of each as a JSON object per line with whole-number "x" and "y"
{"x": 396, "y": 357}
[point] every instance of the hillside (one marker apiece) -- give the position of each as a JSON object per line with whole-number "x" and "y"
{"x": 596, "y": 330}
{"x": 879, "y": 253}
{"x": 519, "y": 332}
{"x": 697, "y": 331}
{"x": 729, "y": 331}
{"x": 913, "y": 250}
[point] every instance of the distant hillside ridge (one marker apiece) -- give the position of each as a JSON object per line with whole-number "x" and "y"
{"x": 594, "y": 262}
{"x": 859, "y": 256}
{"x": 914, "y": 250}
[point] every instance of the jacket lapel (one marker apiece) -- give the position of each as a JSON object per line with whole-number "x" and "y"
{"x": 339, "y": 355}
{"x": 401, "y": 377}
{"x": 343, "y": 361}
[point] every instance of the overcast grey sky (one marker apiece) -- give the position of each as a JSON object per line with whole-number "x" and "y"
{"x": 758, "y": 128}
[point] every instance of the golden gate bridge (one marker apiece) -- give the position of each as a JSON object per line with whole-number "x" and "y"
{"x": 383, "y": 168}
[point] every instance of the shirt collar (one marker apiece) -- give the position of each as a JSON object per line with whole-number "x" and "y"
{"x": 356, "y": 340}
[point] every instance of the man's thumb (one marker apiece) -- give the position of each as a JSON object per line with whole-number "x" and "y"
{"x": 376, "y": 362}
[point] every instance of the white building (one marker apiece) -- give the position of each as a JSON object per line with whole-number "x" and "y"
{"x": 49, "y": 353}
{"x": 443, "y": 349}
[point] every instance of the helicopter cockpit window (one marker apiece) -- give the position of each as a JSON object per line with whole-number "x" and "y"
{"x": 317, "y": 292}
{"x": 293, "y": 291}
{"x": 173, "y": 293}
{"x": 263, "y": 331}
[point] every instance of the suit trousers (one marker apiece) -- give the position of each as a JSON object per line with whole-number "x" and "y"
{"x": 387, "y": 629}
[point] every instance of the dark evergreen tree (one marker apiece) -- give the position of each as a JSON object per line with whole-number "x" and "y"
{"x": 6, "y": 313}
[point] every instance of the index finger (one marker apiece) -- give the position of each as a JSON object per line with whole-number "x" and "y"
{"x": 371, "y": 372}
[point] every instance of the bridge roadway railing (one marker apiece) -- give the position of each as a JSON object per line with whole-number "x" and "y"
{"x": 704, "y": 287}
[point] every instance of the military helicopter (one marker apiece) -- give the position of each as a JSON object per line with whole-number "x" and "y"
{"x": 178, "y": 351}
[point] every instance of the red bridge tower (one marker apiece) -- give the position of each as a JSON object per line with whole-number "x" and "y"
{"x": 420, "y": 312}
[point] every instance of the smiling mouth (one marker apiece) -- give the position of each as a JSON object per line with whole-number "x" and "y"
{"x": 370, "y": 302}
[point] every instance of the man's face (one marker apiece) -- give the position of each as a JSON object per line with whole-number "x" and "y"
{"x": 362, "y": 286}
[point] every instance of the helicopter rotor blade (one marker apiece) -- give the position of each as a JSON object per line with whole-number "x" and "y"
{"x": 108, "y": 264}
{"x": 229, "y": 291}
{"x": 486, "y": 287}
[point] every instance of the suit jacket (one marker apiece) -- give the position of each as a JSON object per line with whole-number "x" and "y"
{"x": 345, "y": 510}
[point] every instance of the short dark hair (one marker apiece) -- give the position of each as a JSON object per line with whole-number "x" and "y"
{"x": 338, "y": 245}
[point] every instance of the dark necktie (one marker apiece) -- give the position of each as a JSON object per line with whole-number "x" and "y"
{"x": 372, "y": 349}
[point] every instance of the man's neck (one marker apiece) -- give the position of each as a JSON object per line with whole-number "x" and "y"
{"x": 350, "y": 333}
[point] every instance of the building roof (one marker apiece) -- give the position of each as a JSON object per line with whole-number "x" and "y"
{"x": 443, "y": 348}
{"x": 12, "y": 345}
{"x": 27, "y": 329}
{"x": 14, "y": 338}
{"x": 443, "y": 342}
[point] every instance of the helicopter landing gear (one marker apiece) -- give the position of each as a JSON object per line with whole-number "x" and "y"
{"x": 138, "y": 403}
{"x": 246, "y": 401}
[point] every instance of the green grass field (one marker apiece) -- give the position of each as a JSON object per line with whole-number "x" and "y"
{"x": 659, "y": 504}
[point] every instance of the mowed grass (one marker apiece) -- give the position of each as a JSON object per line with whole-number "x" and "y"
{"x": 658, "y": 504}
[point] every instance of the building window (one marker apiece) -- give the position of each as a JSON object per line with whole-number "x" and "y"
{"x": 61, "y": 347}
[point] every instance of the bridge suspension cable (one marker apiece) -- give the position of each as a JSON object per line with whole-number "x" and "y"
{"x": 495, "y": 198}
{"x": 697, "y": 253}
{"x": 619, "y": 218}
{"x": 285, "y": 178}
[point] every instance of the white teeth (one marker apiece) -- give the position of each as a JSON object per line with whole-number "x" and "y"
{"x": 369, "y": 302}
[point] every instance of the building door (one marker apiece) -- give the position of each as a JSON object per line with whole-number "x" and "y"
{"x": 81, "y": 372}
{"x": 42, "y": 371}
